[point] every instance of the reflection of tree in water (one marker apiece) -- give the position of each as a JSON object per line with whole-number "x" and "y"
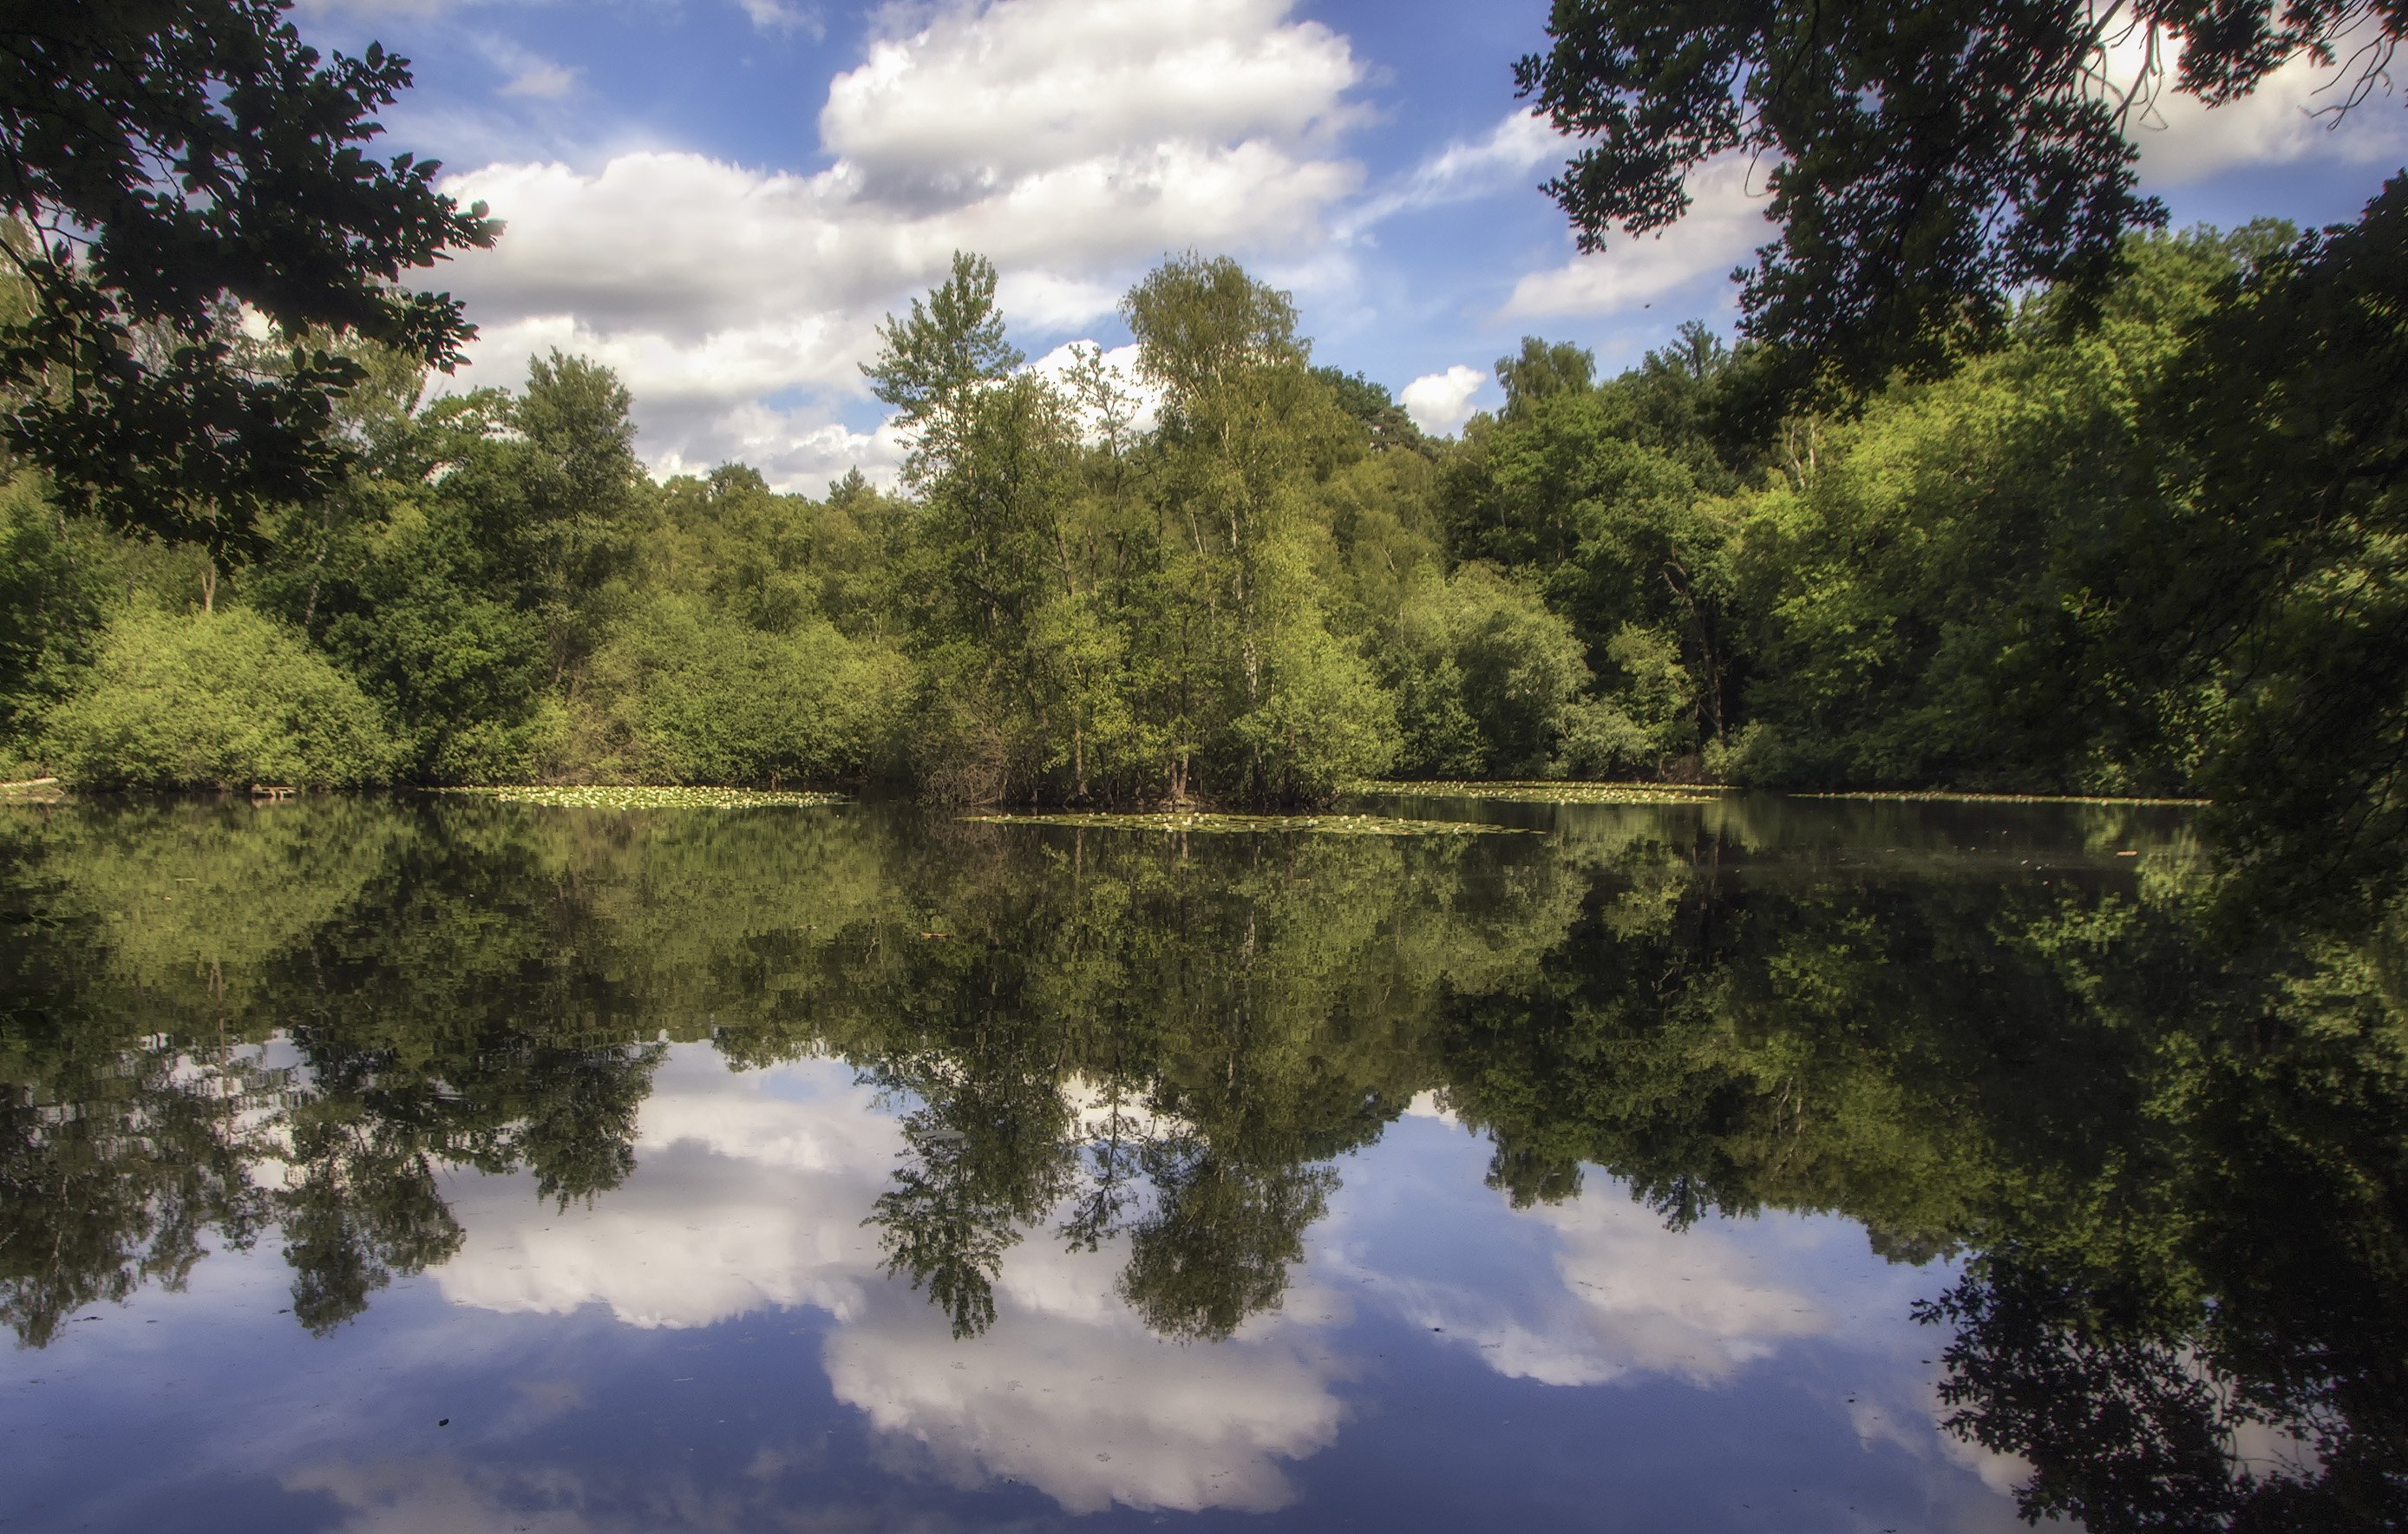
{"x": 2174, "y": 1172}
{"x": 117, "y": 1188}
{"x": 426, "y": 1032}
{"x": 470, "y": 986}
{"x": 2179, "y": 1172}
{"x": 963, "y": 1195}
{"x": 362, "y": 1208}
{"x": 1217, "y": 1245}
{"x": 1158, "y": 1043}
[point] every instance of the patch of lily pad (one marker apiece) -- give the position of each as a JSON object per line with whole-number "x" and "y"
{"x": 31, "y": 791}
{"x": 1197, "y": 822}
{"x": 1532, "y": 792}
{"x": 1944, "y": 796}
{"x": 640, "y": 797}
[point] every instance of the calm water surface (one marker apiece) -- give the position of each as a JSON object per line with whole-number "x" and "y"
{"x": 432, "y": 1165}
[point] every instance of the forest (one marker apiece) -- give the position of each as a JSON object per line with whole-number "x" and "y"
{"x": 1237, "y": 578}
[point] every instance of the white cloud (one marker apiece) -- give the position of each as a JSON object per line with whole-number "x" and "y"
{"x": 1723, "y": 224}
{"x": 2182, "y": 139}
{"x": 545, "y": 81}
{"x": 1501, "y": 160}
{"x": 1073, "y": 141}
{"x": 1441, "y": 403}
{"x": 780, "y": 17}
{"x": 984, "y": 96}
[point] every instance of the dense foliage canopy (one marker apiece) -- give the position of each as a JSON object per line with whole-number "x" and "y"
{"x": 162, "y": 163}
{"x": 1923, "y": 162}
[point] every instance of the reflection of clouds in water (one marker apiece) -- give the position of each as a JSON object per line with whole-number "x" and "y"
{"x": 447, "y": 1497}
{"x": 1070, "y": 1393}
{"x": 750, "y": 1191}
{"x": 1912, "y": 1422}
{"x": 1621, "y": 1295}
{"x": 437, "y": 1496}
{"x": 1695, "y": 1303}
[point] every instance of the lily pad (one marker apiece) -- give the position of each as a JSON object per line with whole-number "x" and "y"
{"x": 1551, "y": 793}
{"x": 630, "y": 797}
{"x": 1944, "y": 796}
{"x": 1197, "y": 822}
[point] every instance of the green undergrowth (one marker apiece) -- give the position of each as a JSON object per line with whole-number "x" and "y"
{"x": 1326, "y": 826}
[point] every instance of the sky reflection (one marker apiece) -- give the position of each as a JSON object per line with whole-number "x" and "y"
{"x": 732, "y": 1293}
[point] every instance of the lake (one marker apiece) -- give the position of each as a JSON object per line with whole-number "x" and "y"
{"x": 1750, "y": 1165}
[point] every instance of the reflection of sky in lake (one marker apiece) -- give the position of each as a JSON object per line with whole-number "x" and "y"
{"x": 715, "y": 1345}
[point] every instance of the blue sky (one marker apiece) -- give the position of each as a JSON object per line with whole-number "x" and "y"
{"x": 722, "y": 197}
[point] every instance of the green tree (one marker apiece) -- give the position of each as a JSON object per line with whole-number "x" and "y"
{"x": 56, "y": 597}
{"x": 932, "y": 360}
{"x": 1247, "y": 682}
{"x": 160, "y": 160}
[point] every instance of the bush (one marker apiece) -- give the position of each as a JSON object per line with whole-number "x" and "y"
{"x": 1601, "y": 741}
{"x": 695, "y": 696}
{"x": 217, "y": 699}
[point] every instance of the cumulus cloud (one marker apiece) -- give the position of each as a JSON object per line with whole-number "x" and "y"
{"x": 1724, "y": 225}
{"x": 1441, "y": 403}
{"x": 1073, "y": 141}
{"x": 2288, "y": 119}
{"x": 984, "y": 96}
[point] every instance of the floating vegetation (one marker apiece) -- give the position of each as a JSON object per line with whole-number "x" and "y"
{"x": 631, "y": 797}
{"x": 1944, "y": 796}
{"x": 1323, "y": 825}
{"x": 1530, "y": 792}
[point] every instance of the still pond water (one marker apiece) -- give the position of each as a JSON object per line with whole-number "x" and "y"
{"x": 443, "y": 1164}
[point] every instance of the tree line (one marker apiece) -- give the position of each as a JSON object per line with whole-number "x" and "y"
{"x": 1234, "y": 576}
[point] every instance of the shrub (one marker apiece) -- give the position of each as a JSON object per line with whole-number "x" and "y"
{"x": 217, "y": 699}
{"x": 695, "y": 696}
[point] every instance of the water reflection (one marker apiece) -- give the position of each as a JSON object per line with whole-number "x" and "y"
{"x": 1098, "y": 1151}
